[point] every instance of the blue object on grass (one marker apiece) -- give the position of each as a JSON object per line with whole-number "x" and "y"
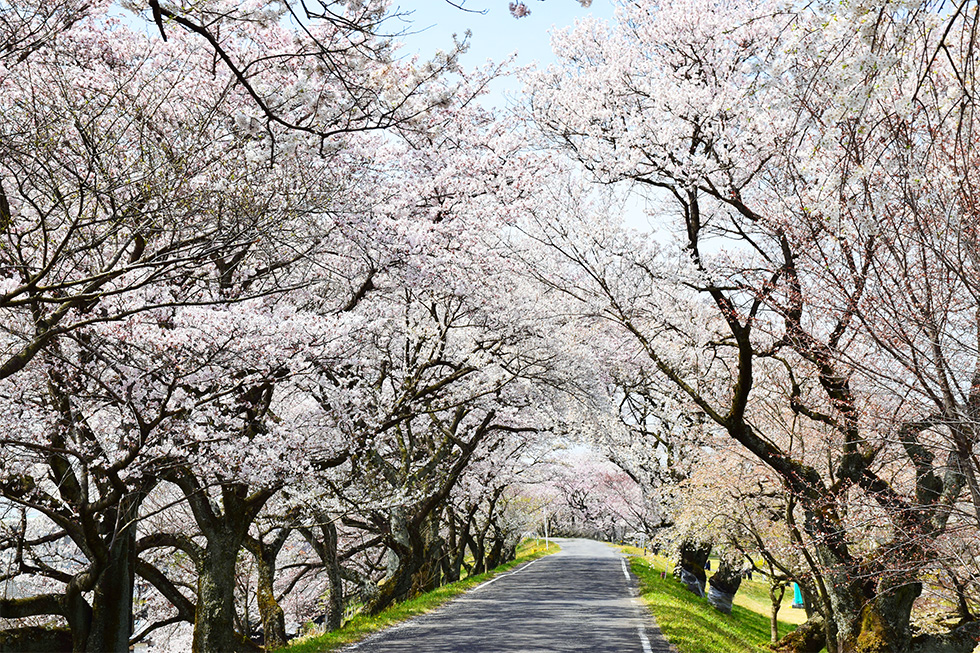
{"x": 797, "y": 596}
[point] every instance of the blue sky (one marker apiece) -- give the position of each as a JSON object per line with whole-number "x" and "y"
{"x": 496, "y": 34}
{"x": 429, "y": 26}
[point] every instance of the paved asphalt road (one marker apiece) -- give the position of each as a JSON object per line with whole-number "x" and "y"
{"x": 576, "y": 600}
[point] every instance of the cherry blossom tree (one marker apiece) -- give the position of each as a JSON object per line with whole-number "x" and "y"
{"x": 772, "y": 132}
{"x": 153, "y": 234}
{"x": 124, "y": 199}
{"x": 490, "y": 509}
{"x": 519, "y": 9}
{"x": 323, "y": 68}
{"x": 591, "y": 497}
{"x": 440, "y": 383}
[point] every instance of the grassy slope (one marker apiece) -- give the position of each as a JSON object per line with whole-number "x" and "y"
{"x": 362, "y": 626}
{"x": 695, "y": 627}
{"x": 754, "y": 595}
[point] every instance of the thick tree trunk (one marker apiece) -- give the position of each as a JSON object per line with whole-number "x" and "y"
{"x": 496, "y": 557}
{"x": 215, "y": 615}
{"x": 429, "y": 574}
{"x": 692, "y": 558}
{"x": 407, "y": 580}
{"x": 396, "y": 586}
{"x": 459, "y": 551}
{"x": 266, "y": 554}
{"x": 417, "y": 565}
{"x": 76, "y": 610}
{"x": 271, "y": 613}
{"x": 78, "y": 613}
{"x": 214, "y": 621}
{"x": 326, "y": 547}
{"x": 450, "y": 571}
{"x": 414, "y": 560}
{"x": 881, "y": 625}
{"x": 481, "y": 562}
{"x": 478, "y": 548}
{"x": 106, "y": 533}
{"x": 856, "y": 623}
{"x": 335, "y": 603}
{"x": 809, "y": 637}
{"x": 402, "y": 561}
{"x": 725, "y": 582}
{"x": 225, "y": 532}
{"x": 510, "y": 552}
{"x": 112, "y": 601}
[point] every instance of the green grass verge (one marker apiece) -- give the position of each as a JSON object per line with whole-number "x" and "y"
{"x": 362, "y": 625}
{"x": 692, "y": 625}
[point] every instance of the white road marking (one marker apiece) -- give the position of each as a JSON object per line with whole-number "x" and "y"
{"x": 494, "y": 580}
{"x": 643, "y": 639}
{"x": 641, "y": 630}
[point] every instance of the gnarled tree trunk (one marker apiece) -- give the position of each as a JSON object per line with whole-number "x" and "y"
{"x": 225, "y": 532}
{"x": 271, "y": 613}
{"x": 881, "y": 624}
{"x": 335, "y": 604}
{"x": 725, "y": 581}
{"x": 692, "y": 558}
{"x": 326, "y": 547}
{"x": 808, "y": 637}
{"x": 414, "y": 563}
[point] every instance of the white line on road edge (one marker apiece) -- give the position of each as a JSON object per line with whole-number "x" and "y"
{"x": 643, "y": 639}
{"x": 494, "y": 580}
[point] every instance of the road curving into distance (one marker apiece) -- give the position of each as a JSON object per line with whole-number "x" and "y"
{"x": 578, "y": 599}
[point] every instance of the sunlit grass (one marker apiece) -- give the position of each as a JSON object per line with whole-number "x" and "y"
{"x": 362, "y": 625}
{"x": 693, "y": 626}
{"x": 754, "y": 595}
